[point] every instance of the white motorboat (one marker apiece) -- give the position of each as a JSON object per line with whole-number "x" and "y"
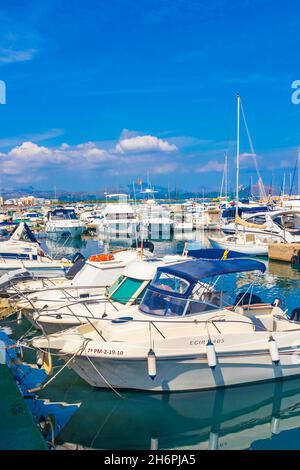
{"x": 178, "y": 339}
{"x": 118, "y": 218}
{"x": 128, "y": 289}
{"x": 63, "y": 223}
{"x": 22, "y": 251}
{"x": 85, "y": 279}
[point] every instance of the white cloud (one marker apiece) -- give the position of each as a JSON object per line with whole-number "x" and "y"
{"x": 211, "y": 165}
{"x": 9, "y": 55}
{"x": 28, "y": 150}
{"x": 144, "y": 143}
{"x": 245, "y": 156}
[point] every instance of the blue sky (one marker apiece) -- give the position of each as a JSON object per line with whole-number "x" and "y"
{"x": 100, "y": 92}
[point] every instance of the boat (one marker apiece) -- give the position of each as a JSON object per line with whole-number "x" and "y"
{"x": 22, "y": 251}
{"x": 246, "y": 243}
{"x": 117, "y": 218}
{"x": 281, "y": 226}
{"x": 63, "y": 223}
{"x": 85, "y": 279}
{"x": 178, "y": 339}
{"x": 56, "y": 314}
{"x": 242, "y": 242}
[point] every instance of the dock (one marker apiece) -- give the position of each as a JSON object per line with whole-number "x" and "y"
{"x": 283, "y": 251}
{"x": 18, "y": 429}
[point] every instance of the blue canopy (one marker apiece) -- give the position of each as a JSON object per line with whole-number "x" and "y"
{"x": 215, "y": 253}
{"x": 200, "y": 269}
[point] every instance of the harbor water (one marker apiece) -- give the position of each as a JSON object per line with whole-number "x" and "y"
{"x": 260, "y": 416}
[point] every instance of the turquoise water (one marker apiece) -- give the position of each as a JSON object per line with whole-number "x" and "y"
{"x": 265, "y": 416}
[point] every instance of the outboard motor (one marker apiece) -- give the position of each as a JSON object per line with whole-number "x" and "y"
{"x": 147, "y": 245}
{"x": 247, "y": 299}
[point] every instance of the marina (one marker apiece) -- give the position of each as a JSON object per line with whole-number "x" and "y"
{"x": 219, "y": 422}
{"x": 149, "y": 231}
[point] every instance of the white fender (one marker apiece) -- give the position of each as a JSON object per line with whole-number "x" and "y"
{"x": 39, "y": 358}
{"x": 211, "y": 354}
{"x": 274, "y": 353}
{"x": 151, "y": 364}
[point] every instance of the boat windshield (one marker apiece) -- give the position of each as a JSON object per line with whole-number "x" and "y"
{"x": 170, "y": 283}
{"x": 159, "y": 304}
{"x": 127, "y": 290}
{"x": 63, "y": 214}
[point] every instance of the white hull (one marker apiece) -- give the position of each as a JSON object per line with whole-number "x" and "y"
{"x": 34, "y": 267}
{"x": 59, "y": 232}
{"x": 246, "y": 248}
{"x": 180, "y": 375}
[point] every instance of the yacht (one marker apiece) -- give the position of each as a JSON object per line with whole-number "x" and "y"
{"x": 22, "y": 251}
{"x": 183, "y": 218}
{"x": 63, "y": 223}
{"x": 117, "y": 218}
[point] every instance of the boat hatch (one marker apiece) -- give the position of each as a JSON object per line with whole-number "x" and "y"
{"x": 125, "y": 290}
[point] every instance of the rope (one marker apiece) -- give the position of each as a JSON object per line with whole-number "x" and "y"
{"x": 59, "y": 371}
{"x": 103, "y": 378}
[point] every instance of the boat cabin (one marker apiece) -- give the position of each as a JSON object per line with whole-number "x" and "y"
{"x": 181, "y": 289}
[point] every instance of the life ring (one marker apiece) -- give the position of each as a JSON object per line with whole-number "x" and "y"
{"x": 101, "y": 258}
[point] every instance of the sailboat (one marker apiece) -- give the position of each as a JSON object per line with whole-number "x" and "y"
{"x": 247, "y": 243}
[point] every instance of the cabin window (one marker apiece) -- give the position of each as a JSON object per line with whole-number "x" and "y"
{"x": 126, "y": 290}
{"x": 155, "y": 303}
{"x": 170, "y": 283}
{"x": 159, "y": 304}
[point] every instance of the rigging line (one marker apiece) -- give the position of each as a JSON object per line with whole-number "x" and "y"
{"x": 262, "y": 188}
{"x": 103, "y": 378}
{"x": 60, "y": 370}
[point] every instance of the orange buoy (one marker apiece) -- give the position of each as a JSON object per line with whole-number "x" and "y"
{"x": 101, "y": 258}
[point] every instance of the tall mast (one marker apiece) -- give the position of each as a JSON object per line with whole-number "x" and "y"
{"x": 226, "y": 177}
{"x": 298, "y": 164}
{"x": 237, "y": 155}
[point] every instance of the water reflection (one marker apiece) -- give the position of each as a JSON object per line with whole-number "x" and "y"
{"x": 232, "y": 418}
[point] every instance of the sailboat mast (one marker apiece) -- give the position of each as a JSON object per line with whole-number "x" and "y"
{"x": 237, "y": 155}
{"x": 298, "y": 165}
{"x": 226, "y": 177}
